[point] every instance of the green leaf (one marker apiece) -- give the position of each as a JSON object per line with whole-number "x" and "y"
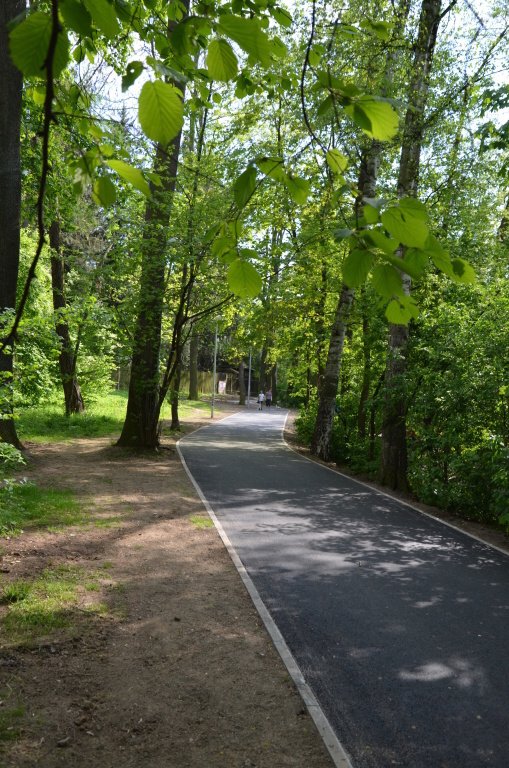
{"x": 29, "y": 43}
{"x": 222, "y": 246}
{"x": 417, "y": 260}
{"x": 104, "y": 192}
{"x": 377, "y": 239}
{"x": 76, "y": 17}
{"x": 401, "y": 311}
{"x": 271, "y": 166}
{"x": 376, "y": 118}
{"x": 406, "y": 225}
{"x": 356, "y": 268}
{"x": 297, "y": 187}
{"x": 104, "y": 17}
{"x": 132, "y": 72}
{"x": 132, "y": 175}
{"x": 245, "y": 186}
{"x": 243, "y": 279}
{"x": 387, "y": 281}
{"x": 342, "y": 234}
{"x": 382, "y": 29}
{"x": 282, "y": 16}
{"x": 370, "y": 214}
{"x": 402, "y": 264}
{"x": 463, "y": 272}
{"x": 160, "y": 111}
{"x": 336, "y": 161}
{"x": 221, "y": 61}
{"x": 248, "y": 34}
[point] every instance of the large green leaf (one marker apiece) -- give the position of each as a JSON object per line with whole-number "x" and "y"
{"x": 463, "y": 272}
{"x": 406, "y": 226}
{"x": 104, "y": 192}
{"x": 104, "y": 17}
{"x": 29, "y": 43}
{"x": 272, "y": 166}
{"x": 336, "y": 161}
{"x": 282, "y": 16}
{"x": 243, "y": 279}
{"x": 400, "y": 311}
{"x": 76, "y": 17}
{"x": 160, "y": 111}
{"x": 297, "y": 187}
{"x": 245, "y": 186}
{"x": 132, "y": 175}
{"x": 356, "y": 268}
{"x": 377, "y": 239}
{"x": 387, "y": 281}
{"x": 376, "y": 118}
{"x": 222, "y": 63}
{"x": 248, "y": 34}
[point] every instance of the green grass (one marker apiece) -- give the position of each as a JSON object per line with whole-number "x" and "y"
{"x": 43, "y": 605}
{"x": 201, "y": 521}
{"x": 48, "y": 423}
{"x": 10, "y": 725}
{"x": 24, "y": 505}
{"x": 102, "y": 418}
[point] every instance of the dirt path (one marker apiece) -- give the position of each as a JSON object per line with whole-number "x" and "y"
{"x": 165, "y": 662}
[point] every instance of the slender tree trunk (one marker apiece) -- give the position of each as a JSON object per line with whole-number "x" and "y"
{"x": 242, "y": 383}
{"x": 366, "y": 373}
{"x": 322, "y": 435}
{"x": 175, "y": 389}
{"x": 394, "y": 461}
{"x": 10, "y": 207}
{"x": 193, "y": 365}
{"x": 67, "y": 358}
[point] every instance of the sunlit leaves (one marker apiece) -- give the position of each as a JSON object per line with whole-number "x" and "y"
{"x": 282, "y": 16}
{"x": 336, "y": 161}
{"x": 248, "y": 34}
{"x": 76, "y": 17}
{"x": 132, "y": 71}
{"x": 221, "y": 61}
{"x": 243, "y": 279}
{"x": 245, "y": 186}
{"x": 297, "y": 187}
{"x": 160, "y": 111}
{"x": 29, "y": 46}
{"x": 356, "y": 268}
{"x": 406, "y": 222}
{"x": 104, "y": 192}
{"x": 376, "y": 117}
{"x": 104, "y": 17}
{"x": 271, "y": 166}
{"x": 132, "y": 175}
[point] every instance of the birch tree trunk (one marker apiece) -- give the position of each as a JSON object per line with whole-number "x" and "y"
{"x": 394, "y": 460}
{"x": 10, "y": 206}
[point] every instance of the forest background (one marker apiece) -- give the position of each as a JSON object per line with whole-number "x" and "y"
{"x": 326, "y": 185}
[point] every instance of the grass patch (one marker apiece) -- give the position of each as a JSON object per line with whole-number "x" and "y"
{"x": 41, "y": 606}
{"x": 201, "y": 521}
{"x": 10, "y": 726}
{"x": 23, "y": 505}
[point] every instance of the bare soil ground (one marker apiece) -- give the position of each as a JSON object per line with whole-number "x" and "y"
{"x": 174, "y": 668}
{"x": 165, "y": 662}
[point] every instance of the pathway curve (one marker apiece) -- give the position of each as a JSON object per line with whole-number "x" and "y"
{"x": 399, "y": 623}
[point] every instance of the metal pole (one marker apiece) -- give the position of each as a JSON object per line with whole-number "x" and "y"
{"x": 214, "y": 377}
{"x": 249, "y": 381}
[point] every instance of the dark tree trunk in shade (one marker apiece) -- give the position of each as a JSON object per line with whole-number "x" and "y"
{"x": 175, "y": 389}
{"x": 67, "y": 358}
{"x": 242, "y": 383}
{"x": 394, "y": 460}
{"x": 10, "y": 207}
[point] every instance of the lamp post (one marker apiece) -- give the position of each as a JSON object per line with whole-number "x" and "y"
{"x": 214, "y": 376}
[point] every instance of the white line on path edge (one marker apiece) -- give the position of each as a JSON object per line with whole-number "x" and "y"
{"x": 331, "y": 741}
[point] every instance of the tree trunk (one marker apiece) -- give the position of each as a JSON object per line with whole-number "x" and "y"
{"x": 67, "y": 358}
{"x": 242, "y": 383}
{"x": 393, "y": 468}
{"x": 10, "y": 207}
{"x": 193, "y": 365}
{"x": 366, "y": 374}
{"x": 141, "y": 422}
{"x": 175, "y": 390}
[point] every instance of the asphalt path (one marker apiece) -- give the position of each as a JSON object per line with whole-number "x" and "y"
{"x": 398, "y": 622}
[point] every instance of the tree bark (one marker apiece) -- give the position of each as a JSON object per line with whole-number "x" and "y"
{"x": 394, "y": 460}
{"x": 193, "y": 366}
{"x": 68, "y": 358}
{"x": 10, "y": 207}
{"x": 242, "y": 383}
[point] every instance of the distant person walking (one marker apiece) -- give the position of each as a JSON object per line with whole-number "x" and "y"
{"x": 261, "y": 398}
{"x": 268, "y": 398}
